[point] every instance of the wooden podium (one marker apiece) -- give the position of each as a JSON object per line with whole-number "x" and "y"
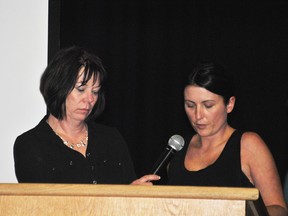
{"x": 122, "y": 200}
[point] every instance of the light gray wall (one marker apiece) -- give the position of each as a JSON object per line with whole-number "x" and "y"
{"x": 23, "y": 57}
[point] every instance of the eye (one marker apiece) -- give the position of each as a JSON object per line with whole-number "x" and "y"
{"x": 95, "y": 92}
{"x": 80, "y": 89}
{"x": 208, "y": 105}
{"x": 189, "y": 104}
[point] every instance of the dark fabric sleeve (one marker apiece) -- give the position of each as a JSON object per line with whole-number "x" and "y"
{"x": 118, "y": 167}
{"x": 29, "y": 165}
{"x": 128, "y": 167}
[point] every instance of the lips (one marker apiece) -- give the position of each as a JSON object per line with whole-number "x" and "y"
{"x": 200, "y": 126}
{"x": 84, "y": 110}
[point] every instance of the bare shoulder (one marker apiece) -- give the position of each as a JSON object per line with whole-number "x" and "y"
{"x": 252, "y": 142}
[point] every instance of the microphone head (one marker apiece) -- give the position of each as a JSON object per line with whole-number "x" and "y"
{"x": 176, "y": 142}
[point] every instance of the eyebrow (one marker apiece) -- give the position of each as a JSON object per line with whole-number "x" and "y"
{"x": 189, "y": 101}
{"x": 201, "y": 101}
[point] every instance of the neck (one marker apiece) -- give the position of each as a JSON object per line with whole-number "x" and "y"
{"x": 215, "y": 140}
{"x": 66, "y": 127}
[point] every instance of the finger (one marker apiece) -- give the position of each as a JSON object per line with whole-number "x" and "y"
{"x": 151, "y": 177}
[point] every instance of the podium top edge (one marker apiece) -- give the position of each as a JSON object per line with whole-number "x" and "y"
{"x": 105, "y": 190}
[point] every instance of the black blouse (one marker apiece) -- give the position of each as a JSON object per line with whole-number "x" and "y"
{"x": 41, "y": 157}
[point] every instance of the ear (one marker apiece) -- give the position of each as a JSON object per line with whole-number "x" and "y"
{"x": 230, "y": 105}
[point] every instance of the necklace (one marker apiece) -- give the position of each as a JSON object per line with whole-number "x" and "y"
{"x": 82, "y": 143}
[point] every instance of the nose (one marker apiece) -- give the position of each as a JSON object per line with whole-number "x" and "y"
{"x": 198, "y": 113}
{"x": 90, "y": 97}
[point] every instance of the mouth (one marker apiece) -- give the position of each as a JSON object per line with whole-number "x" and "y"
{"x": 84, "y": 110}
{"x": 200, "y": 126}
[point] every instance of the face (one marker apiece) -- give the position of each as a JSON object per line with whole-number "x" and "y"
{"x": 81, "y": 100}
{"x": 206, "y": 111}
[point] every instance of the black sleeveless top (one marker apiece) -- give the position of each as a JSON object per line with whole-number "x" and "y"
{"x": 225, "y": 171}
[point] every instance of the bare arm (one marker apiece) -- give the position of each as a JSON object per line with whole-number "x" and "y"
{"x": 258, "y": 165}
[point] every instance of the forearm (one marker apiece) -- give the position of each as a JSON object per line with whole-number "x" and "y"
{"x": 276, "y": 210}
{"x": 31, "y": 174}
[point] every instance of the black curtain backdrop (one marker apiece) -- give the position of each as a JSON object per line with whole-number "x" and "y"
{"x": 148, "y": 48}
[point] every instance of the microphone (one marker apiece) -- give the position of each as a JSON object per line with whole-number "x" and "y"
{"x": 175, "y": 144}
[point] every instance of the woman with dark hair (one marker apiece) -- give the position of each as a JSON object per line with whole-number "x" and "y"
{"x": 217, "y": 154}
{"x": 67, "y": 146}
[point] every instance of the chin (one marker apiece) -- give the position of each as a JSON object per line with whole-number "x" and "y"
{"x": 81, "y": 117}
{"x": 203, "y": 132}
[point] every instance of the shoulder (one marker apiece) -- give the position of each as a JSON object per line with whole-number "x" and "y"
{"x": 253, "y": 147}
{"x": 38, "y": 134}
{"x": 252, "y": 141}
{"x": 30, "y": 134}
{"x": 40, "y": 127}
{"x": 102, "y": 128}
{"x": 104, "y": 131}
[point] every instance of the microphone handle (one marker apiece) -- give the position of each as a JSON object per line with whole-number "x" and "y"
{"x": 163, "y": 159}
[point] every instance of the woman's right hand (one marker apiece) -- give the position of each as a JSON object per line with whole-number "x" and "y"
{"x": 146, "y": 180}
